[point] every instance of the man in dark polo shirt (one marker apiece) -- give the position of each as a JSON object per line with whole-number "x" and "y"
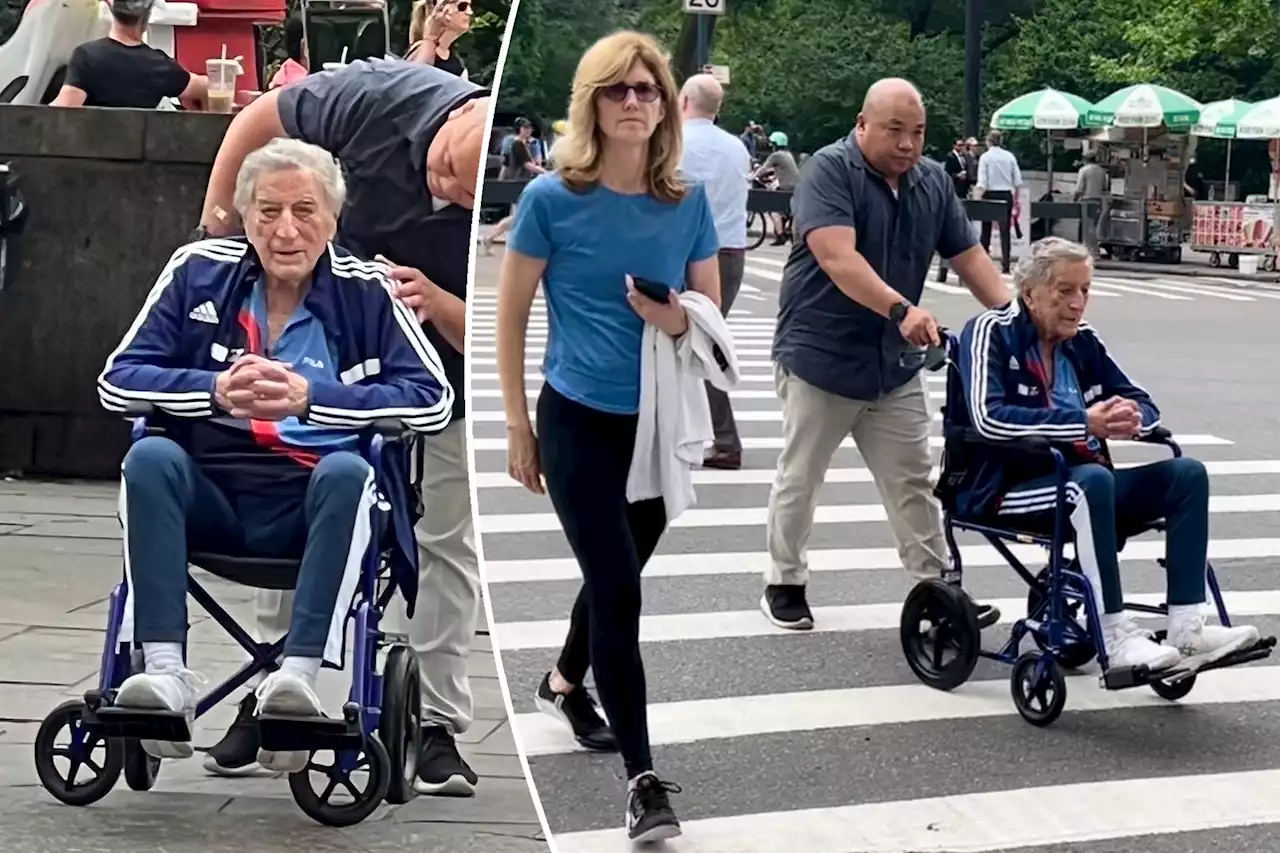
{"x": 869, "y": 217}
{"x": 410, "y": 138}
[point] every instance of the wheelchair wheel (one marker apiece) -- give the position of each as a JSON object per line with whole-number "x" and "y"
{"x": 400, "y": 724}
{"x": 140, "y": 769}
{"x": 83, "y": 750}
{"x": 937, "y": 619}
{"x": 1039, "y": 688}
{"x": 372, "y": 759}
{"x": 1074, "y": 653}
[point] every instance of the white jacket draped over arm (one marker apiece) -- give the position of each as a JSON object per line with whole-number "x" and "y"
{"x": 675, "y": 417}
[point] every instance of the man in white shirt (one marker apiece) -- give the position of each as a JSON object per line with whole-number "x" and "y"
{"x": 719, "y": 161}
{"x": 999, "y": 179}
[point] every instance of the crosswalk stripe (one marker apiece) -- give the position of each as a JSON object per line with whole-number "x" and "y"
{"x": 775, "y": 442}
{"x": 813, "y": 710}
{"x": 533, "y": 387}
{"x": 822, "y": 560}
{"x": 765, "y": 476}
{"x": 540, "y": 522}
{"x": 724, "y": 624}
{"x": 1039, "y": 817}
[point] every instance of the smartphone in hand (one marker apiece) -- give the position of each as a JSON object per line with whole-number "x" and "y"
{"x": 656, "y": 291}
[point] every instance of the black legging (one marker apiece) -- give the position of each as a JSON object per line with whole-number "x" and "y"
{"x": 586, "y": 455}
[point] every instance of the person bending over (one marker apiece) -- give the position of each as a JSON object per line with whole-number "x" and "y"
{"x": 1036, "y": 369}
{"x": 259, "y": 352}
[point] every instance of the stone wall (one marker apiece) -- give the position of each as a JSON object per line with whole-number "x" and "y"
{"x": 111, "y": 194}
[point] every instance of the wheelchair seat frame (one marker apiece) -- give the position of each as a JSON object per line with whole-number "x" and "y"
{"x": 378, "y": 731}
{"x": 1055, "y": 596}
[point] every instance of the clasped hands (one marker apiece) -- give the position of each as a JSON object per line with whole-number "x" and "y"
{"x": 257, "y": 388}
{"x": 1115, "y": 418}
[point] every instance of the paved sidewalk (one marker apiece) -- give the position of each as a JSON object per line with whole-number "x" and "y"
{"x": 59, "y": 558}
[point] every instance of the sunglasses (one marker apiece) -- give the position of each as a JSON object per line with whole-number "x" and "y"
{"x": 646, "y": 93}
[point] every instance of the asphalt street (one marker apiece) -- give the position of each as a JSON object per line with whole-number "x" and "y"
{"x": 824, "y": 741}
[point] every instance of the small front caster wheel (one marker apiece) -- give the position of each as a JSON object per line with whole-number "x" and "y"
{"x": 1039, "y": 688}
{"x": 353, "y": 786}
{"x": 75, "y": 765}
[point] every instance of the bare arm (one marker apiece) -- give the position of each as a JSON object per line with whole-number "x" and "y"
{"x": 517, "y": 286}
{"x": 69, "y": 96}
{"x": 834, "y": 248}
{"x": 704, "y": 277}
{"x": 196, "y": 95}
{"x": 449, "y": 316}
{"x": 252, "y": 128}
{"x": 979, "y": 274}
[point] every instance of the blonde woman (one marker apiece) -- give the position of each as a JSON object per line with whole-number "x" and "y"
{"x": 433, "y": 28}
{"x": 615, "y": 211}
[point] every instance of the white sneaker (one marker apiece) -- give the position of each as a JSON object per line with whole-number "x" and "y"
{"x": 1128, "y": 645}
{"x": 1197, "y": 643}
{"x": 169, "y": 690}
{"x": 289, "y": 696}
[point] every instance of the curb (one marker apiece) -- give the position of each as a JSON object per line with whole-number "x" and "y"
{"x": 1185, "y": 270}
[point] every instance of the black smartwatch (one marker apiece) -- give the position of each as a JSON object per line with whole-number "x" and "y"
{"x": 898, "y": 312}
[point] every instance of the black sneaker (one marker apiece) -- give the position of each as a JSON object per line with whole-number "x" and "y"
{"x": 237, "y": 753}
{"x": 577, "y": 710}
{"x": 787, "y": 607}
{"x": 442, "y": 772}
{"x": 988, "y": 615}
{"x": 649, "y": 813}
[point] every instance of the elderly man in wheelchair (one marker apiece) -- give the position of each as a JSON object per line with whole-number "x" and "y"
{"x": 265, "y": 358}
{"x": 1035, "y": 369}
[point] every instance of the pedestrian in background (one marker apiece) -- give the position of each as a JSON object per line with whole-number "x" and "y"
{"x": 615, "y": 210}
{"x": 721, "y": 163}
{"x": 999, "y": 179}
{"x": 848, "y": 314}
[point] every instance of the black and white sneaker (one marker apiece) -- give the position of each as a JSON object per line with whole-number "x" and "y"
{"x": 577, "y": 710}
{"x": 237, "y": 753}
{"x": 649, "y": 814}
{"x": 442, "y": 772}
{"x": 787, "y": 607}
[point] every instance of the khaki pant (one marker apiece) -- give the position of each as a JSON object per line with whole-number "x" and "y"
{"x": 448, "y": 608}
{"x": 892, "y": 434}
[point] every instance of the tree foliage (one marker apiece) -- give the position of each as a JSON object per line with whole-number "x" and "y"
{"x": 804, "y": 65}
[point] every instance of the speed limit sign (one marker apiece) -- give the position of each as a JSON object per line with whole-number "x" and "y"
{"x": 704, "y": 7}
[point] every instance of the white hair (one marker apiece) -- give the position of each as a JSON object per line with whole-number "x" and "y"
{"x": 281, "y": 155}
{"x": 1041, "y": 266}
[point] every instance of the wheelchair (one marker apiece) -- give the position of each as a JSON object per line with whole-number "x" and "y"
{"x": 379, "y": 730}
{"x": 939, "y": 629}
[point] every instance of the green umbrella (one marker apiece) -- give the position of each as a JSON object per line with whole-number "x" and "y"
{"x": 1220, "y": 119}
{"x": 1047, "y": 109}
{"x": 1145, "y": 105}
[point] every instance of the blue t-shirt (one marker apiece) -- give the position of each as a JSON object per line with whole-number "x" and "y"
{"x": 591, "y": 241}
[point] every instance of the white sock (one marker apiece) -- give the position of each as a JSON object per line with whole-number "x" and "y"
{"x": 305, "y": 668}
{"x": 163, "y": 657}
{"x": 1112, "y": 619}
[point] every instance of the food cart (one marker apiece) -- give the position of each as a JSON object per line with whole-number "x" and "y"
{"x": 1145, "y": 217}
{"x": 1227, "y": 230}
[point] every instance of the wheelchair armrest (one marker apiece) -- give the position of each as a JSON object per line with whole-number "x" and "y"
{"x": 1159, "y": 435}
{"x": 1026, "y": 445}
{"x": 391, "y": 429}
{"x": 137, "y": 409}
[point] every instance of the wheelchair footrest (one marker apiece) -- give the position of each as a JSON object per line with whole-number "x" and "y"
{"x": 143, "y": 724}
{"x": 1124, "y": 677}
{"x": 1258, "y": 651}
{"x": 307, "y": 734}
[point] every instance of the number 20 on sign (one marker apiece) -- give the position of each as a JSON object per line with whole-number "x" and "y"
{"x": 704, "y": 7}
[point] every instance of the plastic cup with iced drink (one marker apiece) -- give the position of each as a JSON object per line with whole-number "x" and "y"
{"x": 222, "y": 83}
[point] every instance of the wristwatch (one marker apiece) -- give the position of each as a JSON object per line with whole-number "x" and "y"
{"x": 898, "y": 312}
{"x": 197, "y": 234}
